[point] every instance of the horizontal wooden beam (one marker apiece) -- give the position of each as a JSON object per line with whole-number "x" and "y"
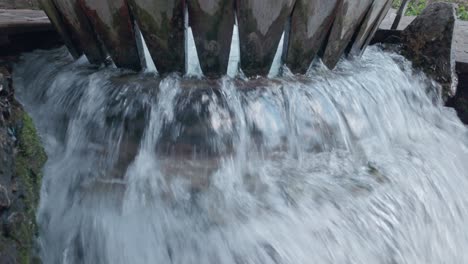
{"x": 23, "y": 21}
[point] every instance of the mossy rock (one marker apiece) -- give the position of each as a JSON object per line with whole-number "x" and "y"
{"x": 30, "y": 160}
{"x": 19, "y": 228}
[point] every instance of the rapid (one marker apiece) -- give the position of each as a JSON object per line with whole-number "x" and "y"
{"x": 362, "y": 164}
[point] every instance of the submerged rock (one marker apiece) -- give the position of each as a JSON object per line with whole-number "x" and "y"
{"x": 376, "y": 14}
{"x": 428, "y": 43}
{"x": 57, "y": 21}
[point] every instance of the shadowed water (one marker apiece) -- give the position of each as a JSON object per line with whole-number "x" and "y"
{"x": 359, "y": 165}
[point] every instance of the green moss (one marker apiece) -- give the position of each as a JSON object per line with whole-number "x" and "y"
{"x": 29, "y": 162}
{"x": 462, "y": 12}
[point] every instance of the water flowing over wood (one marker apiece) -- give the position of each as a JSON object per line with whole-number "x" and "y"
{"x": 111, "y": 21}
{"x": 261, "y": 24}
{"x": 310, "y": 25}
{"x": 56, "y": 19}
{"x": 348, "y": 18}
{"x": 374, "y": 17}
{"x": 162, "y": 25}
{"x": 81, "y": 30}
{"x": 212, "y": 23}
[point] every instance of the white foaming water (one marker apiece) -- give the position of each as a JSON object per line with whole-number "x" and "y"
{"x": 234, "y": 54}
{"x": 193, "y": 62}
{"x": 145, "y": 56}
{"x": 276, "y": 65}
{"x": 358, "y": 165}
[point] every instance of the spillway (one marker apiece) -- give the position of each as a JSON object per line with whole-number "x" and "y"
{"x": 362, "y": 164}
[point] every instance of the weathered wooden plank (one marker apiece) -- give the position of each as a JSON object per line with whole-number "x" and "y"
{"x": 81, "y": 31}
{"x": 55, "y": 18}
{"x": 368, "y": 25}
{"x": 376, "y": 25}
{"x": 162, "y": 25}
{"x": 15, "y": 21}
{"x": 310, "y": 25}
{"x": 348, "y": 17}
{"x": 400, "y": 13}
{"x": 111, "y": 21}
{"x": 261, "y": 24}
{"x": 212, "y": 23}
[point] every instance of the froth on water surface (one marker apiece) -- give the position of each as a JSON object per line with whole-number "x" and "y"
{"x": 358, "y": 165}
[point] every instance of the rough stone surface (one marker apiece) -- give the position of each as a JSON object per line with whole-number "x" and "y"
{"x": 112, "y": 23}
{"x": 162, "y": 25}
{"x": 428, "y": 43}
{"x": 21, "y": 160}
{"x": 261, "y": 24}
{"x": 212, "y": 23}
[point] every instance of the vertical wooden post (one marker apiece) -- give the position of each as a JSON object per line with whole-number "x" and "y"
{"x": 261, "y": 25}
{"x": 400, "y": 13}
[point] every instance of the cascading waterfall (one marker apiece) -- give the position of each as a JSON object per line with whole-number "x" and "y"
{"x": 358, "y": 165}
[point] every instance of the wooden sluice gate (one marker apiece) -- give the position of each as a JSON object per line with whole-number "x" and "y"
{"x": 104, "y": 30}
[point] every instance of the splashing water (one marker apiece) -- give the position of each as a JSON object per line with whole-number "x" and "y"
{"x": 358, "y": 165}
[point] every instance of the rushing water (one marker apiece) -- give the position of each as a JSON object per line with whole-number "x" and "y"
{"x": 359, "y": 165}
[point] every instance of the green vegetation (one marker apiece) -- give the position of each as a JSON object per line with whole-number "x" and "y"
{"x": 462, "y": 12}
{"x": 415, "y": 7}
{"x": 29, "y": 162}
{"x": 19, "y": 228}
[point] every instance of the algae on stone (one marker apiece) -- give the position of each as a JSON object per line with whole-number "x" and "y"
{"x": 29, "y": 162}
{"x": 19, "y": 228}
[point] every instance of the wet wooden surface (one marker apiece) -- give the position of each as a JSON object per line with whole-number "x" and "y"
{"x": 26, "y": 30}
{"x": 376, "y": 26}
{"x": 112, "y": 23}
{"x": 81, "y": 30}
{"x": 162, "y": 24}
{"x": 348, "y": 18}
{"x": 261, "y": 24}
{"x": 212, "y": 23}
{"x": 310, "y": 25}
{"x": 22, "y": 20}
